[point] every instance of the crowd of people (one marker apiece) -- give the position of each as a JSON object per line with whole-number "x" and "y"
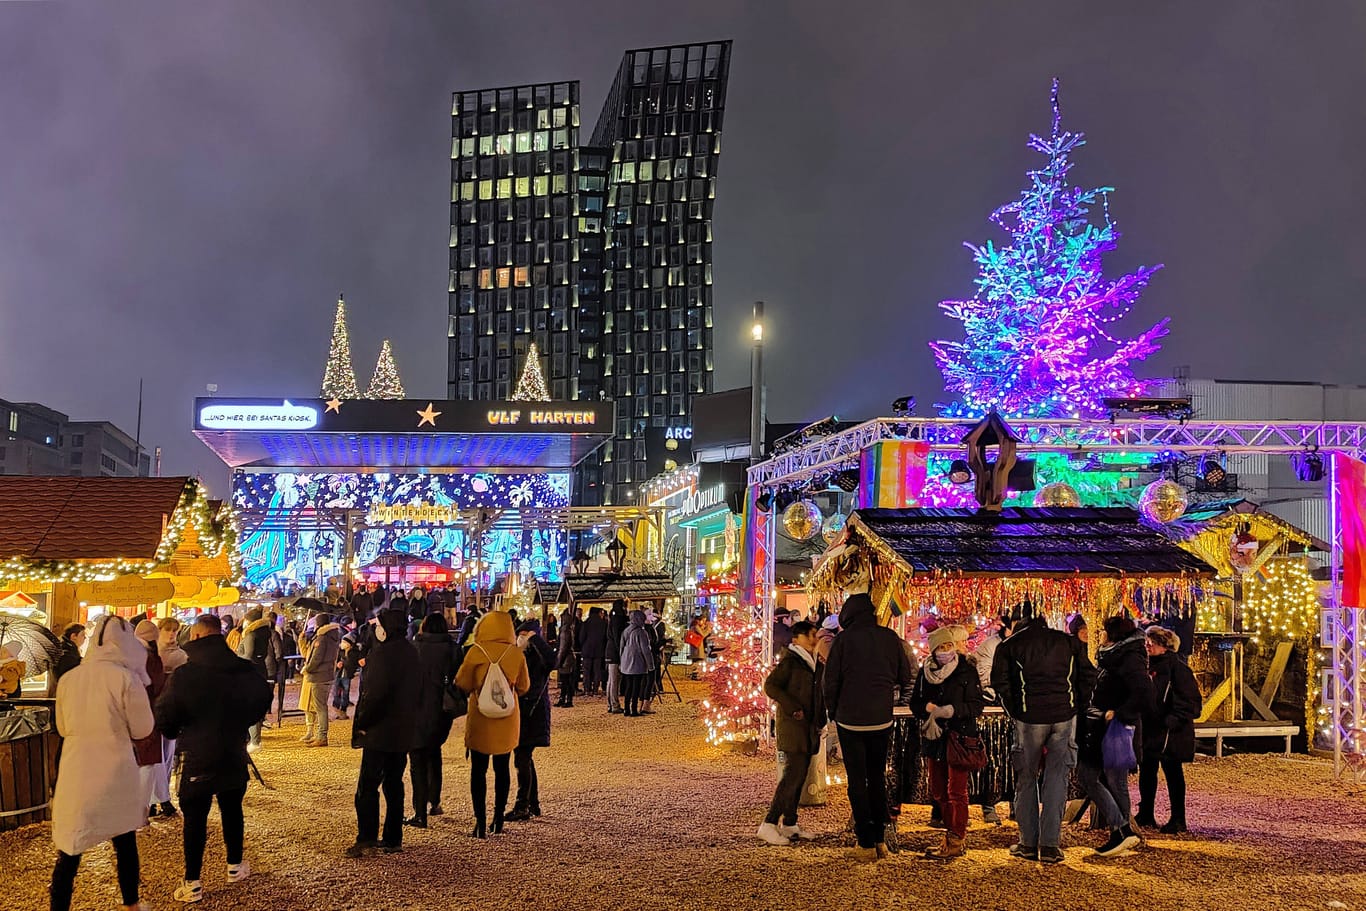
{"x": 1074, "y": 723}
{"x": 194, "y": 699}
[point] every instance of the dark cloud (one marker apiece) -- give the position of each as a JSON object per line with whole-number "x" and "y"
{"x": 185, "y": 187}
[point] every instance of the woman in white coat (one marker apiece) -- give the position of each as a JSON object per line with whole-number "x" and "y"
{"x": 102, "y": 707}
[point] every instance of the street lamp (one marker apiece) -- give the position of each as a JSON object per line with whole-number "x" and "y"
{"x": 616, "y": 552}
{"x": 756, "y": 383}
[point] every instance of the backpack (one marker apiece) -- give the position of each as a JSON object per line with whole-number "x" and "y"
{"x": 496, "y": 699}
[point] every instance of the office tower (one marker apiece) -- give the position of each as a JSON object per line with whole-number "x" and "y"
{"x": 599, "y": 253}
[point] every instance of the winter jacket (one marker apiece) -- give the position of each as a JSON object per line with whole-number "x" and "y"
{"x": 208, "y": 705}
{"x": 349, "y": 652}
{"x": 172, "y": 657}
{"x": 101, "y": 708}
{"x": 417, "y": 608}
{"x": 362, "y": 602}
{"x": 782, "y": 636}
{"x": 962, "y": 689}
{"x": 617, "y": 621}
{"x": 567, "y": 658}
{"x": 593, "y": 636}
{"x": 1123, "y": 687}
{"x": 260, "y": 647}
{"x": 493, "y": 640}
{"x": 148, "y": 749}
{"x": 320, "y": 663}
{"x": 69, "y": 659}
{"x": 866, "y": 666}
{"x": 986, "y": 658}
{"x": 637, "y": 654}
{"x": 436, "y": 668}
{"x": 1041, "y": 675}
{"x": 386, "y": 713}
{"x": 1169, "y": 728}
{"x": 792, "y": 684}
{"x": 535, "y": 705}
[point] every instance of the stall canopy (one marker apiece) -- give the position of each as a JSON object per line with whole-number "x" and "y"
{"x": 607, "y": 587}
{"x": 408, "y": 568}
{"x": 963, "y": 563}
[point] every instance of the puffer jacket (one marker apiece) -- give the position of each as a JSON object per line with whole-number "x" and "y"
{"x": 436, "y": 668}
{"x": 321, "y": 664}
{"x": 866, "y": 668}
{"x": 637, "y": 651}
{"x": 1123, "y": 687}
{"x": 493, "y": 640}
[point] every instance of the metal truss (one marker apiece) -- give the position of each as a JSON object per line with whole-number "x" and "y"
{"x": 838, "y": 450}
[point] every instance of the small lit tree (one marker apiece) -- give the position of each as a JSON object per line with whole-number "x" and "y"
{"x": 385, "y": 384}
{"x": 737, "y": 706}
{"x": 1038, "y": 342}
{"x": 339, "y": 377}
{"x": 531, "y": 387}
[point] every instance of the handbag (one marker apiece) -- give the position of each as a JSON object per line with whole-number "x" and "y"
{"x": 965, "y": 752}
{"x": 1117, "y": 747}
{"x": 693, "y": 638}
{"x": 455, "y": 701}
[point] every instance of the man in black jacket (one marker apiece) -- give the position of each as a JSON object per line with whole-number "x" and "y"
{"x": 207, "y": 706}
{"x": 384, "y": 730}
{"x": 866, "y": 668}
{"x": 593, "y": 647}
{"x": 567, "y": 661}
{"x": 1044, "y": 679}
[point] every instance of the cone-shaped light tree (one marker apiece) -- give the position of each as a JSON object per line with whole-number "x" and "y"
{"x": 1038, "y": 339}
{"x": 385, "y": 384}
{"x": 339, "y": 377}
{"x": 531, "y": 387}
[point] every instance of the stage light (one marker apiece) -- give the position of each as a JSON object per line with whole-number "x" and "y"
{"x": 904, "y": 406}
{"x": 765, "y": 501}
{"x": 1212, "y": 471}
{"x": 959, "y": 473}
{"x": 1308, "y": 465}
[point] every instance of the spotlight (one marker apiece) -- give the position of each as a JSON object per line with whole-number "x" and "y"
{"x": 959, "y": 473}
{"x": 847, "y": 480}
{"x": 1308, "y": 465}
{"x": 1212, "y": 471}
{"x": 765, "y": 501}
{"x": 904, "y": 406}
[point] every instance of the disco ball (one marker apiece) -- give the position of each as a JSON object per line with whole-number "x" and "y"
{"x": 802, "y": 520}
{"x": 833, "y": 526}
{"x": 1163, "y": 501}
{"x": 1058, "y": 493}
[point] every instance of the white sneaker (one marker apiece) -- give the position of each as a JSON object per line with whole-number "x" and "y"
{"x": 796, "y": 831}
{"x": 238, "y": 872}
{"x": 771, "y": 834}
{"x": 253, "y": 747}
{"x": 192, "y": 891}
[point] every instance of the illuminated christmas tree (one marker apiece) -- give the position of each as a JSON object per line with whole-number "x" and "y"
{"x": 737, "y": 707}
{"x": 339, "y": 378}
{"x": 1037, "y": 342}
{"x": 385, "y": 384}
{"x": 531, "y": 387}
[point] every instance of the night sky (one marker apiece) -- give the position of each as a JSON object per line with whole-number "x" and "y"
{"x": 184, "y": 188}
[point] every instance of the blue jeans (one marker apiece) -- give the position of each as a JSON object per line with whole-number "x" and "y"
{"x": 341, "y": 692}
{"x": 1031, "y": 740}
{"x": 1109, "y": 791}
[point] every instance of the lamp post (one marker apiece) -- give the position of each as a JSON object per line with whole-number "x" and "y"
{"x": 756, "y": 382}
{"x": 616, "y": 552}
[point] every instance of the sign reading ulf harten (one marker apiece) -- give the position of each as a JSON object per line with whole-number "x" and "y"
{"x": 576, "y": 418}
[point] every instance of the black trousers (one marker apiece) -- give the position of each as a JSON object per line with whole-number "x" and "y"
{"x": 633, "y": 691}
{"x": 426, "y": 775}
{"x": 380, "y": 770}
{"x": 125, "y": 856}
{"x": 865, "y": 762}
{"x": 479, "y": 784}
{"x": 196, "y": 810}
{"x": 528, "y": 790}
{"x": 789, "y": 791}
{"x": 1176, "y": 786}
{"x": 594, "y": 675}
{"x": 568, "y": 684}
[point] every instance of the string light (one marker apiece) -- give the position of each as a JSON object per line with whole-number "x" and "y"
{"x": 531, "y": 387}
{"x": 1281, "y": 603}
{"x": 339, "y": 377}
{"x": 385, "y": 384}
{"x": 1034, "y": 324}
{"x": 737, "y": 706}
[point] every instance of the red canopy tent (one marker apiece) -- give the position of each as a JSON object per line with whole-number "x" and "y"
{"x": 408, "y": 568}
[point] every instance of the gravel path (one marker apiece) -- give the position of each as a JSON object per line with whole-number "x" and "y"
{"x": 641, "y": 814}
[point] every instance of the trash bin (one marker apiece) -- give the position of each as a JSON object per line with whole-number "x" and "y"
{"x": 28, "y": 765}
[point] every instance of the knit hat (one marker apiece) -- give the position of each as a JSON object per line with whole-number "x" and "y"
{"x": 946, "y": 635}
{"x": 1077, "y": 622}
{"x": 831, "y": 623}
{"x": 146, "y": 631}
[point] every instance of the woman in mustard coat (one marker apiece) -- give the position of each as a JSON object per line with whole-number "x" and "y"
{"x": 491, "y": 738}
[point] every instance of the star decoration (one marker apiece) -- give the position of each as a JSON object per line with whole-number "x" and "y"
{"x": 428, "y": 416}
{"x": 334, "y": 405}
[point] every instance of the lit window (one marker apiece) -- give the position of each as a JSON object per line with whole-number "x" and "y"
{"x": 524, "y": 142}
{"x": 503, "y": 144}
{"x": 504, "y": 277}
{"x": 486, "y": 278}
{"x": 485, "y": 189}
{"x": 485, "y": 145}
{"x": 523, "y": 186}
{"x": 523, "y": 277}
{"x": 541, "y": 185}
{"x": 505, "y": 188}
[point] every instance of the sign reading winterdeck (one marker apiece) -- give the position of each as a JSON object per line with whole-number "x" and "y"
{"x": 285, "y": 416}
{"x": 415, "y": 513}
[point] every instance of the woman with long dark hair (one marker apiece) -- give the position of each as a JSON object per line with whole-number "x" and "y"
{"x": 1168, "y": 730}
{"x": 535, "y": 710}
{"x": 436, "y": 667}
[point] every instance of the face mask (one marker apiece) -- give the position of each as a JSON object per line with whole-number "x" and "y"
{"x": 380, "y": 632}
{"x": 945, "y": 656}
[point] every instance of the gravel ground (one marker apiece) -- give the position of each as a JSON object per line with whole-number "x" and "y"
{"x": 642, "y": 814}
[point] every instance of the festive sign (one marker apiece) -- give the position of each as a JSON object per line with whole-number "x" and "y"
{"x": 126, "y": 591}
{"x": 284, "y": 416}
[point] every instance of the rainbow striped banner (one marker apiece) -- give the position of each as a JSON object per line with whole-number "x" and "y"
{"x": 892, "y": 474}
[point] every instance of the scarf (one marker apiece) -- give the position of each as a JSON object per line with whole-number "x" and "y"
{"x": 937, "y": 673}
{"x": 804, "y": 655}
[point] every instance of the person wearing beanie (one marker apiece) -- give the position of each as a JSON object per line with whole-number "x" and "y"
{"x": 535, "y": 719}
{"x": 155, "y": 776}
{"x": 1168, "y": 730}
{"x": 947, "y": 701}
{"x": 209, "y": 705}
{"x": 1123, "y": 694}
{"x": 792, "y": 685}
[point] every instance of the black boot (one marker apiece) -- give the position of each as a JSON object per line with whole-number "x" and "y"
{"x": 519, "y": 813}
{"x": 496, "y": 827}
{"x": 417, "y": 822}
{"x": 478, "y": 829}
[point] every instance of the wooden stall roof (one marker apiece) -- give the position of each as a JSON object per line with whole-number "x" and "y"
{"x": 1201, "y": 518}
{"x": 66, "y": 518}
{"x": 1026, "y": 542}
{"x": 604, "y": 587}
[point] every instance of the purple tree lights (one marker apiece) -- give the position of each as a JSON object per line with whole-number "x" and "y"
{"x": 1037, "y": 342}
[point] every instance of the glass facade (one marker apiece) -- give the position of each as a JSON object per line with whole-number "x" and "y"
{"x": 601, "y": 254}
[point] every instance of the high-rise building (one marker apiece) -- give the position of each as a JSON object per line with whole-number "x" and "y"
{"x": 37, "y": 440}
{"x": 600, "y": 253}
